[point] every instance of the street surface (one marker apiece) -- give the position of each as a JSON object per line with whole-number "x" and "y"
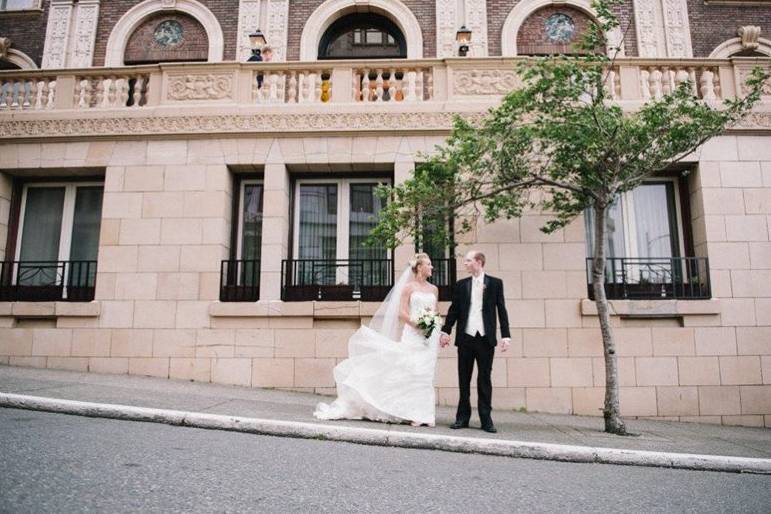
{"x": 60, "y": 463}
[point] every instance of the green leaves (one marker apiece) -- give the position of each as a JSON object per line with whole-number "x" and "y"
{"x": 559, "y": 139}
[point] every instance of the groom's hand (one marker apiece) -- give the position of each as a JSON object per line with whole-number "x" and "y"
{"x": 505, "y": 343}
{"x": 444, "y": 339}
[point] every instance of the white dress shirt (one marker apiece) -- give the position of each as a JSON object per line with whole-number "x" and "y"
{"x": 475, "y": 321}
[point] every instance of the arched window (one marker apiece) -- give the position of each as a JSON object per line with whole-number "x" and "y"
{"x": 362, "y": 36}
{"x": 6, "y": 65}
{"x": 167, "y": 37}
{"x": 552, "y": 30}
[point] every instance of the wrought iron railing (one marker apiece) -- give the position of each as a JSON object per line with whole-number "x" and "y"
{"x": 342, "y": 279}
{"x": 44, "y": 281}
{"x": 239, "y": 280}
{"x": 654, "y": 278}
{"x": 336, "y": 279}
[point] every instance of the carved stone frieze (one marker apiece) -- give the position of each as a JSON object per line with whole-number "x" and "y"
{"x": 232, "y": 123}
{"x": 677, "y": 28}
{"x": 200, "y": 87}
{"x": 485, "y": 82}
{"x": 57, "y": 34}
{"x": 447, "y": 24}
{"x": 277, "y": 31}
{"x": 86, "y": 18}
{"x": 662, "y": 28}
{"x": 476, "y": 20}
{"x": 248, "y": 20}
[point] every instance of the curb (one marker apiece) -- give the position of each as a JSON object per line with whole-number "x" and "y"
{"x": 368, "y": 436}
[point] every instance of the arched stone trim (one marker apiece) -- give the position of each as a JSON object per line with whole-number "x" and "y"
{"x": 331, "y": 10}
{"x": 734, "y": 45}
{"x": 20, "y": 59}
{"x": 116, "y": 44}
{"x": 525, "y": 8}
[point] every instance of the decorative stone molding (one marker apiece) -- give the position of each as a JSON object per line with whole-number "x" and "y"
{"x": 86, "y": 19}
{"x": 200, "y": 87}
{"x": 116, "y": 43}
{"x": 278, "y": 28}
{"x": 663, "y": 29}
{"x": 749, "y": 35}
{"x": 476, "y": 20}
{"x": 331, "y": 10}
{"x": 484, "y": 82}
{"x": 132, "y": 126}
{"x": 57, "y": 34}
{"x": 523, "y": 9}
{"x": 447, "y": 24}
{"x": 735, "y": 45}
{"x": 71, "y": 34}
{"x": 5, "y": 45}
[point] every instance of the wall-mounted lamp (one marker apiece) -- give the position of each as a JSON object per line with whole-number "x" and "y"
{"x": 257, "y": 40}
{"x": 463, "y": 36}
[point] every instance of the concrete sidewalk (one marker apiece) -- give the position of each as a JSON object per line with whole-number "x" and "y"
{"x": 561, "y": 437}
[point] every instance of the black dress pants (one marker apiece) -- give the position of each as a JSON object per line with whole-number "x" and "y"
{"x": 475, "y": 348}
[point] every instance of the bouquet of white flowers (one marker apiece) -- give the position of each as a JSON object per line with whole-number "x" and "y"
{"x": 428, "y": 321}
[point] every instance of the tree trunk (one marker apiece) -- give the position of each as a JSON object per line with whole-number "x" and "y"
{"x": 613, "y": 421}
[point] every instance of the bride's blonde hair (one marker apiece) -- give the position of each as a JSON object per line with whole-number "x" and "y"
{"x": 415, "y": 261}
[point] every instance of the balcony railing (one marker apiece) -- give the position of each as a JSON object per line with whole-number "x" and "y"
{"x": 340, "y": 280}
{"x": 654, "y": 278}
{"x": 336, "y": 279}
{"x": 239, "y": 280}
{"x": 356, "y": 82}
{"x": 45, "y": 281}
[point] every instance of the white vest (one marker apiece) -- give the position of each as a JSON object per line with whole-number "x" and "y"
{"x": 475, "y": 321}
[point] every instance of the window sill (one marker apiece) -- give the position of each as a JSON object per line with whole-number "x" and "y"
{"x": 314, "y": 309}
{"x": 50, "y": 309}
{"x": 654, "y": 308}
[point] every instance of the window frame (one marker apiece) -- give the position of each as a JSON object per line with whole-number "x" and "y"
{"x": 342, "y": 248}
{"x": 68, "y": 213}
{"x": 240, "y": 214}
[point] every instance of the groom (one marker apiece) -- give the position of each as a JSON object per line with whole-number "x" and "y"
{"x": 474, "y": 303}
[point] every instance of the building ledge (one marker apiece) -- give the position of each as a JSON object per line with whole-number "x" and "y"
{"x": 50, "y": 309}
{"x": 654, "y": 308}
{"x": 314, "y": 309}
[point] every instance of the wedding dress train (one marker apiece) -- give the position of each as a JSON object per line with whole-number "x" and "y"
{"x": 387, "y": 380}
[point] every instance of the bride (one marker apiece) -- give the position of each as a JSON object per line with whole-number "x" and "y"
{"x": 389, "y": 373}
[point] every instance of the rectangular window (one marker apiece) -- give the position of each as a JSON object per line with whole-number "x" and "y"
{"x": 240, "y": 276}
{"x": 333, "y": 219}
{"x": 646, "y": 246}
{"x": 57, "y": 242}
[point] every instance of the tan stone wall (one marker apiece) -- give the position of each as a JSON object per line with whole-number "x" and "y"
{"x": 166, "y": 225}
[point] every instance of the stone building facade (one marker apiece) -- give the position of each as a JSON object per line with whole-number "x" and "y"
{"x": 201, "y": 220}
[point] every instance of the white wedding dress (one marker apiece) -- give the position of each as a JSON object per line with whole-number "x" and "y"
{"x": 387, "y": 380}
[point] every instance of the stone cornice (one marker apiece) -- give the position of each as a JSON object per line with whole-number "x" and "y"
{"x": 87, "y": 127}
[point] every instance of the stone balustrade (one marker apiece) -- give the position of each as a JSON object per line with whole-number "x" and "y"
{"x": 629, "y": 82}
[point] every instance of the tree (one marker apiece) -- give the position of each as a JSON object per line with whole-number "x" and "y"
{"x": 561, "y": 144}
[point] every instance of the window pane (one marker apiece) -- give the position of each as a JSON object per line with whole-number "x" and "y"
{"x": 40, "y": 234}
{"x": 10, "y": 5}
{"x": 365, "y": 207}
{"x": 251, "y": 239}
{"x": 614, "y": 231}
{"x": 85, "y": 235}
{"x": 85, "y": 225}
{"x": 654, "y": 220}
{"x": 318, "y": 230}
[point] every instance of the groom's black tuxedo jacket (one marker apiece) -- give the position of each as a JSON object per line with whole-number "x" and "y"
{"x": 492, "y": 300}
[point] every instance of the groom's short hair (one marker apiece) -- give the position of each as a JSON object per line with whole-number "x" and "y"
{"x": 480, "y": 257}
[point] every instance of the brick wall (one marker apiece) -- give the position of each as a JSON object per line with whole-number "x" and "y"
{"x": 712, "y": 24}
{"x": 110, "y": 12}
{"x": 27, "y": 31}
{"x": 299, "y": 12}
{"x": 498, "y": 11}
{"x": 143, "y": 47}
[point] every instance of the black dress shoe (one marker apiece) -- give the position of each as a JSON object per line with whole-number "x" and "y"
{"x": 459, "y": 424}
{"x": 489, "y": 427}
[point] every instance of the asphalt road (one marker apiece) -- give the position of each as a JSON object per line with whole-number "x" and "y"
{"x": 59, "y": 463}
